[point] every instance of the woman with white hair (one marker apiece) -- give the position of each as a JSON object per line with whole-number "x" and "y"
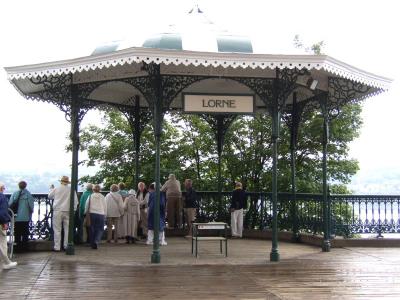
{"x": 115, "y": 209}
{"x": 143, "y": 197}
{"x": 172, "y": 188}
{"x": 96, "y": 207}
{"x": 132, "y": 212}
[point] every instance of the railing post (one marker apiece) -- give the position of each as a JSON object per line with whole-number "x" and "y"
{"x": 262, "y": 204}
{"x": 379, "y": 221}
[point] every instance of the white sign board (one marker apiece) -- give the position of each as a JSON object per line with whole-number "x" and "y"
{"x": 214, "y": 103}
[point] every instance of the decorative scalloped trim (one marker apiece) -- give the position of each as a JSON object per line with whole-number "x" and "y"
{"x": 186, "y": 58}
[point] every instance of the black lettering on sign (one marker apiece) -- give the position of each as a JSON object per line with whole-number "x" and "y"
{"x": 230, "y": 103}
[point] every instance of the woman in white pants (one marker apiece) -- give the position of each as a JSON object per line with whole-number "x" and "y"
{"x": 238, "y": 203}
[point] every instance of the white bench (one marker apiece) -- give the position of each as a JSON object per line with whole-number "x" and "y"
{"x": 217, "y": 227}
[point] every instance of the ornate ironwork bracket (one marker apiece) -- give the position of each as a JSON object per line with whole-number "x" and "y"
{"x": 342, "y": 91}
{"x": 60, "y": 91}
{"x": 220, "y": 125}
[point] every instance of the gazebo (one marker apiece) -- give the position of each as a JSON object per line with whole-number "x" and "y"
{"x": 196, "y": 68}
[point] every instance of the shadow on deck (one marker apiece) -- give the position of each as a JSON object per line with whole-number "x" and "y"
{"x": 124, "y": 271}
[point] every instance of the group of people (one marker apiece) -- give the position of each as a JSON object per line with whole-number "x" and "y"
{"x": 119, "y": 209}
{"x": 124, "y": 212}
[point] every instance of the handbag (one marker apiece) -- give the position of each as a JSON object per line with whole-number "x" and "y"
{"x": 87, "y": 216}
{"x": 14, "y": 206}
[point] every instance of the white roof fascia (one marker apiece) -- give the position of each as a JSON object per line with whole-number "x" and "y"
{"x": 225, "y": 60}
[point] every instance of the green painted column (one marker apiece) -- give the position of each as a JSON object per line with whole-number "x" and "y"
{"x": 155, "y": 256}
{"x": 220, "y": 144}
{"x": 293, "y": 143}
{"x": 137, "y": 134}
{"x": 326, "y": 246}
{"x": 274, "y": 255}
{"x": 158, "y": 120}
{"x": 74, "y": 172}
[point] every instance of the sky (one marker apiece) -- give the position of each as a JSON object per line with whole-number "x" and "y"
{"x": 360, "y": 33}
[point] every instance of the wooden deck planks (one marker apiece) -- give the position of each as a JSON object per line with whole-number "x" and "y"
{"x": 123, "y": 271}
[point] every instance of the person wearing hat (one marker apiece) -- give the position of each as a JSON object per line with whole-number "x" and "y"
{"x": 61, "y": 196}
{"x": 4, "y": 220}
{"x": 24, "y": 214}
{"x": 132, "y": 213}
{"x": 172, "y": 188}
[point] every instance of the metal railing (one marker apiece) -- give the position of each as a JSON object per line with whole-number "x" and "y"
{"x": 350, "y": 214}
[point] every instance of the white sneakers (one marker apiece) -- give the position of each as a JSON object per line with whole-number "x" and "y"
{"x": 150, "y": 236}
{"x": 11, "y": 265}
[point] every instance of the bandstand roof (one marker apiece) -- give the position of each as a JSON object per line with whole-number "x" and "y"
{"x": 217, "y": 56}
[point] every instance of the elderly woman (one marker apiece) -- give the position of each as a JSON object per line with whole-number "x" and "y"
{"x": 143, "y": 197}
{"x": 24, "y": 215}
{"x": 172, "y": 188}
{"x": 115, "y": 209}
{"x": 122, "y": 222}
{"x": 96, "y": 207}
{"x": 4, "y": 220}
{"x": 132, "y": 213}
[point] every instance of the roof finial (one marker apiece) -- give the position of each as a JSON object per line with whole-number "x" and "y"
{"x": 196, "y": 9}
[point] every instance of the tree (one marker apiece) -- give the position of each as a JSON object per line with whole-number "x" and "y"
{"x": 188, "y": 149}
{"x": 110, "y": 147}
{"x": 315, "y": 48}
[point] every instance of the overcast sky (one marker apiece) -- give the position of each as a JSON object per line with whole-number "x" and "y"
{"x": 361, "y": 33}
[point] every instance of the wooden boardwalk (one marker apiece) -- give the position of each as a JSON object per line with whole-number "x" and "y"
{"x": 124, "y": 272}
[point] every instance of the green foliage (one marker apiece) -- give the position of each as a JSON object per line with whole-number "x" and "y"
{"x": 188, "y": 149}
{"x": 315, "y": 48}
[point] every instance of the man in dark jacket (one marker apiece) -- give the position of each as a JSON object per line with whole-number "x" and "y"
{"x": 4, "y": 220}
{"x": 238, "y": 203}
{"x": 191, "y": 205}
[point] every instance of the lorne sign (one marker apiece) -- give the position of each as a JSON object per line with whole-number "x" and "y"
{"x": 218, "y": 103}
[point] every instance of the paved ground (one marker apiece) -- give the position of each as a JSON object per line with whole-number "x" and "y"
{"x": 124, "y": 271}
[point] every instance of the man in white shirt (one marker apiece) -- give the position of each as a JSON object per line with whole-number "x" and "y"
{"x": 61, "y": 196}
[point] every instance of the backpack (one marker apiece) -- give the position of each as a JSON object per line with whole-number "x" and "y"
{"x": 15, "y": 204}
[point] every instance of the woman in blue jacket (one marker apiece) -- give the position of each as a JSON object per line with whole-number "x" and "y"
{"x": 23, "y": 216}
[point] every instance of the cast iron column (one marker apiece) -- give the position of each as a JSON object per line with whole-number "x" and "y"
{"x": 274, "y": 255}
{"x": 158, "y": 119}
{"x": 74, "y": 172}
{"x": 220, "y": 143}
{"x": 293, "y": 142}
{"x": 137, "y": 138}
{"x": 326, "y": 246}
